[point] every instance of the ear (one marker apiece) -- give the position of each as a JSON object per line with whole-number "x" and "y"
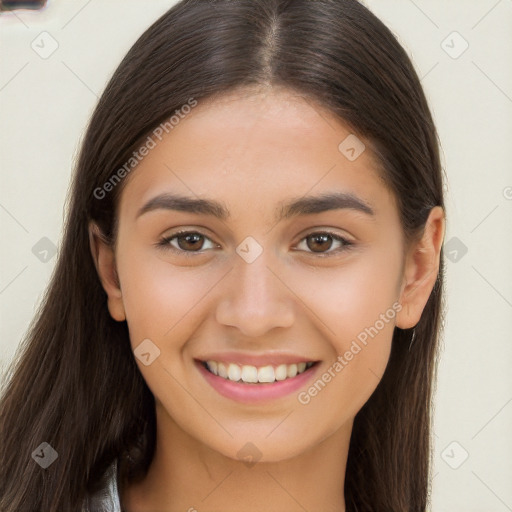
{"x": 421, "y": 270}
{"x": 104, "y": 261}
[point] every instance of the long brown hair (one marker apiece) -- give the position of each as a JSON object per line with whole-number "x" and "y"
{"x": 75, "y": 384}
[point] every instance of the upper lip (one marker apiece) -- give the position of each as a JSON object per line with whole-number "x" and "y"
{"x": 273, "y": 359}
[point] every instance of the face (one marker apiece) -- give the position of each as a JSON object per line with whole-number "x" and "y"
{"x": 302, "y": 301}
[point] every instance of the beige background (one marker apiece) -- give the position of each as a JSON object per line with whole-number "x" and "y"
{"x": 45, "y": 102}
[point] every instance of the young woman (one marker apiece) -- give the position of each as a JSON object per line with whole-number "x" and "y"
{"x": 247, "y": 303}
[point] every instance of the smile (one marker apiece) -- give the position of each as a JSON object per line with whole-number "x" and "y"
{"x": 249, "y": 374}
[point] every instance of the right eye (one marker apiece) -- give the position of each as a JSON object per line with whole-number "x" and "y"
{"x": 188, "y": 242}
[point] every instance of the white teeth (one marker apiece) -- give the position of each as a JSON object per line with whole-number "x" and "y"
{"x": 222, "y": 370}
{"x": 281, "y": 372}
{"x": 212, "y": 366}
{"x": 266, "y": 374}
{"x": 291, "y": 371}
{"x": 253, "y": 374}
{"x": 234, "y": 372}
{"x": 249, "y": 373}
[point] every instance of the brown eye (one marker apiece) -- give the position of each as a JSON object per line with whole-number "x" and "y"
{"x": 190, "y": 241}
{"x": 321, "y": 242}
{"x": 185, "y": 242}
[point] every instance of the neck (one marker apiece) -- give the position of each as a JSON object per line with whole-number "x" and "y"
{"x": 187, "y": 475}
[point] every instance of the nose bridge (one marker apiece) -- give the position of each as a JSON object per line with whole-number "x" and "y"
{"x": 255, "y": 299}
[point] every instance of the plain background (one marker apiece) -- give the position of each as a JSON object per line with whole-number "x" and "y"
{"x": 46, "y": 100}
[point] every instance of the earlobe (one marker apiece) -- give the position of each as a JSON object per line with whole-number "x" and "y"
{"x": 104, "y": 261}
{"x": 421, "y": 270}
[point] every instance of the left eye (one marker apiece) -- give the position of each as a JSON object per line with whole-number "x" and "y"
{"x": 191, "y": 238}
{"x": 321, "y": 239}
{"x": 191, "y": 242}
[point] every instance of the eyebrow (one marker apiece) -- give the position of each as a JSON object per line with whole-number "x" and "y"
{"x": 306, "y": 205}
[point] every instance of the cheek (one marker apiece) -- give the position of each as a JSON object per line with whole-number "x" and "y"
{"x": 159, "y": 298}
{"x": 359, "y": 340}
{"x": 351, "y": 297}
{"x": 356, "y": 305}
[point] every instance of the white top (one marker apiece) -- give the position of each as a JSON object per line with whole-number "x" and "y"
{"x": 106, "y": 499}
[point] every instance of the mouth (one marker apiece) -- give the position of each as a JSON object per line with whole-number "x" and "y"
{"x": 257, "y": 378}
{"x": 256, "y": 375}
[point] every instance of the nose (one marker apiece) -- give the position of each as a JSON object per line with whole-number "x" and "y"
{"x": 255, "y": 298}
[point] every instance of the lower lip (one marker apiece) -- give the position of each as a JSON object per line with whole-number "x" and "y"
{"x": 251, "y": 393}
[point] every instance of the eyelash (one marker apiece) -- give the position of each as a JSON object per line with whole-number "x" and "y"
{"x": 164, "y": 243}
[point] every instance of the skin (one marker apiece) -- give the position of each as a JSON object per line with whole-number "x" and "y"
{"x": 253, "y": 150}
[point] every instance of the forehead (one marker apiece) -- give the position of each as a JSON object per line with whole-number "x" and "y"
{"x": 255, "y": 149}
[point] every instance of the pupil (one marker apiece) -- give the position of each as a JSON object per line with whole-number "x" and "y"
{"x": 324, "y": 239}
{"x": 190, "y": 238}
